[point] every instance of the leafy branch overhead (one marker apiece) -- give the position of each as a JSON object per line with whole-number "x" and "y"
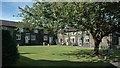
{"x": 99, "y": 18}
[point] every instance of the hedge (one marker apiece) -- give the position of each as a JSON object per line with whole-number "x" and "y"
{"x": 9, "y": 50}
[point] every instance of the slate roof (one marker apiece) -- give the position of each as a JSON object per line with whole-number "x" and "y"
{"x": 8, "y": 23}
{"x": 14, "y": 24}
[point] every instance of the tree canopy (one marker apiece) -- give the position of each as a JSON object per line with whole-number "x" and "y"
{"x": 99, "y": 18}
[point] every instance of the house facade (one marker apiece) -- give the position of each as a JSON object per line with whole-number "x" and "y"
{"x": 29, "y": 37}
{"x": 79, "y": 38}
{"x": 70, "y": 37}
{"x": 85, "y": 39}
{"x": 49, "y": 39}
{"x": 8, "y": 25}
{"x": 24, "y": 36}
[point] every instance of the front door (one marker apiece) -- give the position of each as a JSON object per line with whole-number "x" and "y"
{"x": 26, "y": 39}
{"x": 50, "y": 40}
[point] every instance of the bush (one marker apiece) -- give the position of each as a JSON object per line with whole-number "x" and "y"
{"x": 9, "y": 49}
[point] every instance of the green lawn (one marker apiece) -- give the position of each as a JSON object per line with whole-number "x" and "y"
{"x": 58, "y": 56}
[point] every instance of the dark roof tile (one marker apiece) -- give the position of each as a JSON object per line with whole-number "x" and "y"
{"x": 8, "y": 23}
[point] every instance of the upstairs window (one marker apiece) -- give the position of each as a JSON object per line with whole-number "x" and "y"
{"x": 21, "y": 30}
{"x": 35, "y": 31}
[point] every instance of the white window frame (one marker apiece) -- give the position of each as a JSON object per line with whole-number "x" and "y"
{"x": 21, "y": 30}
{"x": 74, "y": 33}
{"x": 18, "y": 36}
{"x": 71, "y": 38}
{"x": 79, "y": 40}
{"x": 28, "y": 34}
{"x": 66, "y": 39}
{"x": 60, "y": 41}
{"x": 71, "y": 33}
{"x": 80, "y": 32}
{"x": 86, "y": 40}
{"x": 45, "y": 38}
{"x": 35, "y": 31}
{"x": 50, "y": 39}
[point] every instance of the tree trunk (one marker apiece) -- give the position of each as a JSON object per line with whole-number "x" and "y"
{"x": 96, "y": 47}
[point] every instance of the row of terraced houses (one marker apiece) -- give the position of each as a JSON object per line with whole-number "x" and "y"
{"x": 71, "y": 37}
{"x": 24, "y": 36}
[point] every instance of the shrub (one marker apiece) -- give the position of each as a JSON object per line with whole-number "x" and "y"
{"x": 9, "y": 49}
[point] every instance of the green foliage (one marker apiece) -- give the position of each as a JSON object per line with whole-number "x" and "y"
{"x": 96, "y": 17}
{"x": 9, "y": 49}
{"x": 99, "y": 18}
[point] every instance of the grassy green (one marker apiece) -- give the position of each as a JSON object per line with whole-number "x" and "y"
{"x": 115, "y": 54}
{"x": 58, "y": 56}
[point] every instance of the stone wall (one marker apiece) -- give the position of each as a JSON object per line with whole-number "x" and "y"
{"x": 106, "y": 41}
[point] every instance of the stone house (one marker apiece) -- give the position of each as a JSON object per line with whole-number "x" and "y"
{"x": 84, "y": 38}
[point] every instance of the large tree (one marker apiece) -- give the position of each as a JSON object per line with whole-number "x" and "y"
{"x": 100, "y": 19}
{"x": 41, "y": 15}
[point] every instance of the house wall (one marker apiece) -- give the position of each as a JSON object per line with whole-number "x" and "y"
{"x": 76, "y": 38}
{"x": 24, "y": 34}
{"x": 49, "y": 39}
{"x": 91, "y": 41}
{"x": 106, "y": 41}
{"x": 11, "y": 29}
{"x": 30, "y": 38}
